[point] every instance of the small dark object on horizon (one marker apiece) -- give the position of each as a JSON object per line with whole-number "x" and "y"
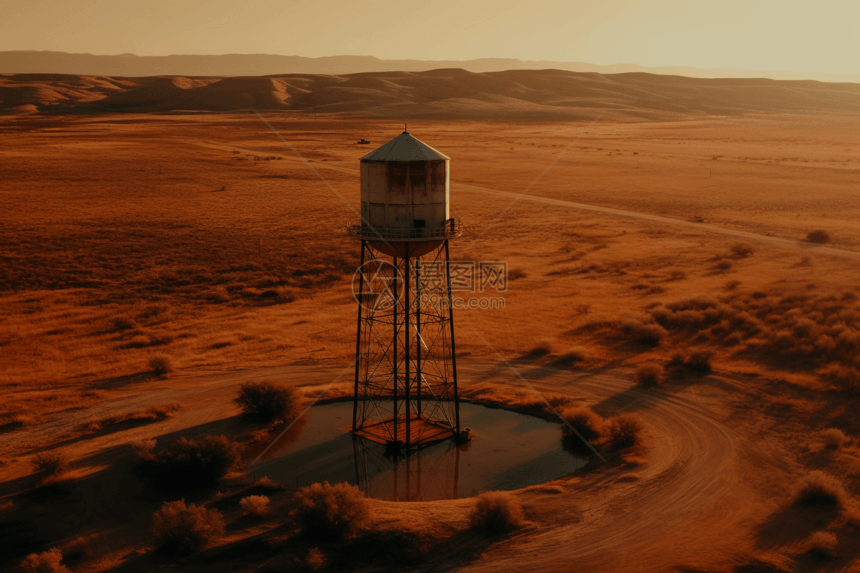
{"x": 362, "y": 141}
{"x": 819, "y": 237}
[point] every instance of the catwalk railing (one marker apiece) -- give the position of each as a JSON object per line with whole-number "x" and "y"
{"x": 451, "y": 230}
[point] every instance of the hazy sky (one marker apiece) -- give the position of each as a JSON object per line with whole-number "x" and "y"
{"x": 790, "y": 35}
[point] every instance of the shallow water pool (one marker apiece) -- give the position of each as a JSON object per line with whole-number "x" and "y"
{"x": 508, "y": 451}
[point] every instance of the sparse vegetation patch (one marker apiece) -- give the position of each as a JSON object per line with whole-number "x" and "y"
{"x": 623, "y": 431}
{"x": 154, "y": 414}
{"x": 50, "y": 561}
{"x": 497, "y": 513}
{"x": 332, "y": 511}
{"x": 820, "y": 489}
{"x": 191, "y": 463}
{"x": 821, "y": 545}
{"x": 800, "y": 329}
{"x": 183, "y": 529}
{"x": 266, "y": 403}
{"x": 161, "y": 364}
{"x": 50, "y": 464}
{"x": 742, "y": 250}
{"x": 254, "y": 505}
{"x": 833, "y": 438}
{"x": 649, "y": 374}
{"x": 819, "y": 236}
{"x": 587, "y": 424}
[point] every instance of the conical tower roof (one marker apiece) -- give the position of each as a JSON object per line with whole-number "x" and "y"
{"x": 404, "y": 147}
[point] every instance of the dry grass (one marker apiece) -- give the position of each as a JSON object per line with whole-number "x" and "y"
{"x": 18, "y": 421}
{"x": 80, "y": 548}
{"x": 542, "y": 348}
{"x": 623, "y": 431}
{"x": 819, "y": 236}
{"x": 161, "y": 364}
{"x": 643, "y": 333}
{"x": 154, "y": 414}
{"x": 267, "y": 484}
{"x": 332, "y": 511}
{"x": 497, "y": 513}
{"x": 182, "y": 529}
{"x": 844, "y": 377}
{"x": 800, "y": 330}
{"x": 254, "y": 505}
{"x": 819, "y": 489}
{"x": 50, "y": 561}
{"x": 571, "y": 356}
{"x": 191, "y": 463}
{"x": 122, "y": 323}
{"x": 833, "y": 438}
{"x": 742, "y": 250}
{"x": 697, "y": 361}
{"x": 516, "y": 274}
{"x": 50, "y": 464}
{"x": 587, "y": 423}
{"x": 315, "y": 560}
{"x": 287, "y": 294}
{"x": 821, "y": 545}
{"x": 649, "y": 374}
{"x": 267, "y": 403}
{"x": 638, "y": 330}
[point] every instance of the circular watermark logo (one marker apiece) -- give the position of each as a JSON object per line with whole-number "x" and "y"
{"x": 377, "y": 285}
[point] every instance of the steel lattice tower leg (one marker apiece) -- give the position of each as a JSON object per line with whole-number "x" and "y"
{"x": 405, "y": 317}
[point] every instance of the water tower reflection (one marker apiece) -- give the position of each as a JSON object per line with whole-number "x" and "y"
{"x": 428, "y": 473}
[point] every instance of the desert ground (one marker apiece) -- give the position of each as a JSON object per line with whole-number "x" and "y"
{"x": 218, "y": 240}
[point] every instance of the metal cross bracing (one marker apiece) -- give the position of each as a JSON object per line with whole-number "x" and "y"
{"x": 405, "y": 375}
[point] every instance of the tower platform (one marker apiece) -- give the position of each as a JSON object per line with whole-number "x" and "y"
{"x": 423, "y": 432}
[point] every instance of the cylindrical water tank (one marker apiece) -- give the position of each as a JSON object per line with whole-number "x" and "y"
{"x": 404, "y": 190}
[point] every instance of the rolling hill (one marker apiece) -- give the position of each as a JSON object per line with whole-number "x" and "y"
{"x": 443, "y": 93}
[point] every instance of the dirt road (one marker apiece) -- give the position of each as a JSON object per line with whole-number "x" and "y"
{"x": 687, "y": 505}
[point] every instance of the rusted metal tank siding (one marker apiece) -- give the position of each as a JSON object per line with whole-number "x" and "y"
{"x": 396, "y": 194}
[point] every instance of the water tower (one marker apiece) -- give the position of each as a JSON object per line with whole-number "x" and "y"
{"x": 405, "y": 369}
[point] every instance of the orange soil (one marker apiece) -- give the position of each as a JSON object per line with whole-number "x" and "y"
{"x": 118, "y": 243}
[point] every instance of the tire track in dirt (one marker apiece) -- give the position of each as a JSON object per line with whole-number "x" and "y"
{"x": 658, "y": 515}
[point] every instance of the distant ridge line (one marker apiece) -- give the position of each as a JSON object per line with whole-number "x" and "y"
{"x": 131, "y": 65}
